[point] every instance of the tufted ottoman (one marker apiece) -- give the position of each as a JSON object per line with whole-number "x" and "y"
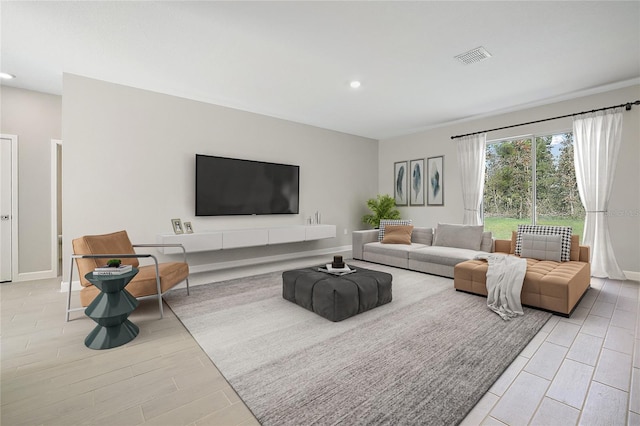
{"x": 336, "y": 297}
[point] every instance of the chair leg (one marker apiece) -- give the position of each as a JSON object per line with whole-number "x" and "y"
{"x": 187, "y": 286}
{"x": 69, "y": 293}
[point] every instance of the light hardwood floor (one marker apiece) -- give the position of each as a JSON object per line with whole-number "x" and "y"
{"x": 582, "y": 370}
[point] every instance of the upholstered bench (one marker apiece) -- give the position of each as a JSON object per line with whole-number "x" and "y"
{"x": 549, "y": 285}
{"x": 336, "y": 297}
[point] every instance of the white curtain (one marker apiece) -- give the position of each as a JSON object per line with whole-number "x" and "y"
{"x": 471, "y": 160}
{"x": 597, "y": 142}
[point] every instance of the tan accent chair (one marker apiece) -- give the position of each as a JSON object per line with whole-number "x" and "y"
{"x": 92, "y": 251}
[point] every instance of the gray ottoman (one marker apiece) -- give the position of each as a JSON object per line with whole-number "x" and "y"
{"x": 336, "y": 297}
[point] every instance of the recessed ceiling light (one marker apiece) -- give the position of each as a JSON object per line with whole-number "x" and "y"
{"x": 355, "y": 84}
{"x": 6, "y": 76}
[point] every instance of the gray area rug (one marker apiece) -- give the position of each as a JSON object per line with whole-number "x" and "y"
{"x": 425, "y": 358}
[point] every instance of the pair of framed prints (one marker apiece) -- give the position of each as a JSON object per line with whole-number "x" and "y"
{"x": 181, "y": 228}
{"x": 411, "y": 183}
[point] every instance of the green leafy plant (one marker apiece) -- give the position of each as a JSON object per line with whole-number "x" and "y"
{"x": 113, "y": 263}
{"x": 382, "y": 207}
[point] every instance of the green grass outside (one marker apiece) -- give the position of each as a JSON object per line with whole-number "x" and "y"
{"x": 501, "y": 227}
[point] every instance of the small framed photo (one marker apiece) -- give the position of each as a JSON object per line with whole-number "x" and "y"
{"x": 435, "y": 181}
{"x": 188, "y": 228}
{"x": 400, "y": 183}
{"x": 177, "y": 226}
{"x": 416, "y": 186}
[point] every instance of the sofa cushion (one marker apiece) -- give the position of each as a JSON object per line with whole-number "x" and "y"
{"x": 563, "y": 231}
{"x": 422, "y": 236}
{"x": 392, "y": 250}
{"x": 542, "y": 247}
{"x": 487, "y": 242}
{"x": 459, "y": 236}
{"x": 385, "y": 222}
{"x": 449, "y": 256}
{"x": 397, "y": 234}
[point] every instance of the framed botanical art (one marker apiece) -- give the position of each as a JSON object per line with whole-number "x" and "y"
{"x": 435, "y": 181}
{"x": 400, "y": 176}
{"x": 416, "y": 182}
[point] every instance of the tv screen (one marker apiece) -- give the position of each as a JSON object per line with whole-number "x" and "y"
{"x": 229, "y": 186}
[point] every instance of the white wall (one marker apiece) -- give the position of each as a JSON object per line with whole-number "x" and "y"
{"x": 35, "y": 118}
{"x": 129, "y": 158}
{"x": 624, "y": 208}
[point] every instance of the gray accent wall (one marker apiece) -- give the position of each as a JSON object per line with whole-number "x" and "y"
{"x": 624, "y": 207}
{"x": 129, "y": 163}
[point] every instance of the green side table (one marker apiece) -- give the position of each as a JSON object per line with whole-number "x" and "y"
{"x": 110, "y": 310}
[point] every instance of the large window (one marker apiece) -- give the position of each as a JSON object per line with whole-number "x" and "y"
{"x": 527, "y": 183}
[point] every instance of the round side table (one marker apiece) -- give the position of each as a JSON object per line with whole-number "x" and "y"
{"x": 110, "y": 310}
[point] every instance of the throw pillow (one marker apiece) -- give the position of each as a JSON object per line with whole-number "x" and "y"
{"x": 385, "y": 222}
{"x": 397, "y": 234}
{"x": 459, "y": 236}
{"x": 563, "y": 231}
{"x": 542, "y": 247}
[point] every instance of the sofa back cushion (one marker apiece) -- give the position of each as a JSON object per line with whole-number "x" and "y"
{"x": 487, "y": 242}
{"x": 385, "y": 222}
{"x": 422, "y": 236}
{"x": 542, "y": 247}
{"x": 459, "y": 236}
{"x": 397, "y": 234}
{"x": 563, "y": 231}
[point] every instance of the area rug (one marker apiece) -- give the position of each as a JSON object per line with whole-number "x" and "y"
{"x": 425, "y": 358}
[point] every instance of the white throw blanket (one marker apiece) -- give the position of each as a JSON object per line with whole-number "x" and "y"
{"x": 505, "y": 275}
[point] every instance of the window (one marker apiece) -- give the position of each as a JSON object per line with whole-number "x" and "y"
{"x": 527, "y": 183}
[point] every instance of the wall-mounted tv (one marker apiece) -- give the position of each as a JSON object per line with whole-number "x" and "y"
{"x": 230, "y": 186}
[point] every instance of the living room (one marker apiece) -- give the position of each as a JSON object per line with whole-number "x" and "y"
{"x": 128, "y": 163}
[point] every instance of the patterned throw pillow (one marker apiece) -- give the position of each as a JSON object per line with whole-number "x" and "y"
{"x": 564, "y": 231}
{"x": 385, "y": 222}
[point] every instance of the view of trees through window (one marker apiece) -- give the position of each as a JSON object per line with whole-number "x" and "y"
{"x": 531, "y": 184}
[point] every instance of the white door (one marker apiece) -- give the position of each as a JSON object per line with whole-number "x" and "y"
{"x": 6, "y": 185}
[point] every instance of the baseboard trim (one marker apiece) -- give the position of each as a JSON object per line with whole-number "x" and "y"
{"x": 201, "y": 274}
{"x": 32, "y": 276}
{"x": 632, "y": 275}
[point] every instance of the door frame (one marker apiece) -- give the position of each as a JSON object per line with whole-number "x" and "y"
{"x": 14, "y": 203}
{"x": 54, "y": 206}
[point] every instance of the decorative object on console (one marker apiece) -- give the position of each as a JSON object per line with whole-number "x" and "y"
{"x": 383, "y": 207}
{"x": 435, "y": 179}
{"x": 400, "y": 177}
{"x": 177, "y": 226}
{"x": 188, "y": 228}
{"x": 416, "y": 189}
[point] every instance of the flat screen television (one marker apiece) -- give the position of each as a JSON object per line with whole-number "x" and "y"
{"x": 231, "y": 186}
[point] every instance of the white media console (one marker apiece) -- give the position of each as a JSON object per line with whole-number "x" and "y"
{"x": 237, "y": 238}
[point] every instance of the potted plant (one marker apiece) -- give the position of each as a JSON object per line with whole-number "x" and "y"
{"x": 382, "y": 207}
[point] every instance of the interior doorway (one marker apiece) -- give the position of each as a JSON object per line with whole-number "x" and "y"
{"x": 8, "y": 207}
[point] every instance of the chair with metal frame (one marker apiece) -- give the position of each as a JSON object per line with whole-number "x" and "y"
{"x": 92, "y": 251}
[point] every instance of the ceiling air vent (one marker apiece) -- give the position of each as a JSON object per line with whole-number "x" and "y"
{"x": 474, "y": 55}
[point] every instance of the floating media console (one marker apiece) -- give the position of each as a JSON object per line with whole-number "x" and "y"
{"x": 237, "y": 238}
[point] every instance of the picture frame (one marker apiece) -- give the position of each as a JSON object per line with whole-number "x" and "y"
{"x": 177, "y": 226}
{"x": 400, "y": 179}
{"x": 416, "y": 182}
{"x": 188, "y": 228}
{"x": 435, "y": 181}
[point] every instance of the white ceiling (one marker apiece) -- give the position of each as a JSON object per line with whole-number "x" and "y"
{"x": 294, "y": 60}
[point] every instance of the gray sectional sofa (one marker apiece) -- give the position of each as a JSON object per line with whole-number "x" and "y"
{"x": 431, "y": 251}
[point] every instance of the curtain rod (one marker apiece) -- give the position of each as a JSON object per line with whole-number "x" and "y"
{"x": 626, "y": 106}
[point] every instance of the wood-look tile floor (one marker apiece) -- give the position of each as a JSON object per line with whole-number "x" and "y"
{"x": 581, "y": 370}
